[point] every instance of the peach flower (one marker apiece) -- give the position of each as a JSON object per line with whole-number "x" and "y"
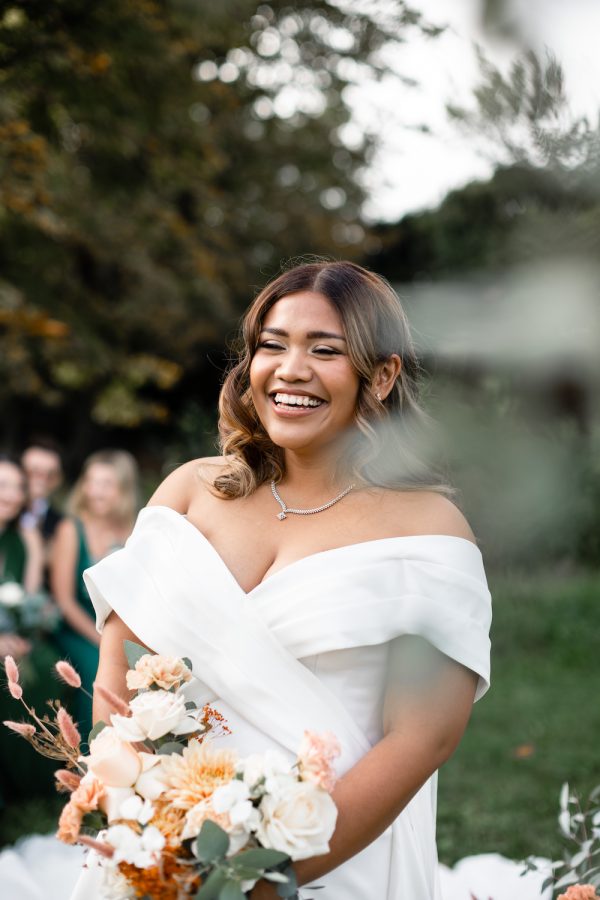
{"x": 580, "y": 892}
{"x": 88, "y": 793}
{"x": 112, "y": 760}
{"x": 69, "y": 823}
{"x": 195, "y": 775}
{"x": 164, "y": 671}
{"x": 315, "y": 758}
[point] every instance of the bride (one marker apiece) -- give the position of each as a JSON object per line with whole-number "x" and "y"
{"x": 317, "y": 575}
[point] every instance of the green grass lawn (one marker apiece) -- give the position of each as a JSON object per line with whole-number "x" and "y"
{"x": 537, "y": 727}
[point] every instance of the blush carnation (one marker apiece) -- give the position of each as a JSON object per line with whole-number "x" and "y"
{"x": 88, "y": 793}
{"x": 315, "y": 759}
{"x": 69, "y": 823}
{"x": 580, "y": 892}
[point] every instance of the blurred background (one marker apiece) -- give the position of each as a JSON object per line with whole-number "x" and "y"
{"x": 161, "y": 159}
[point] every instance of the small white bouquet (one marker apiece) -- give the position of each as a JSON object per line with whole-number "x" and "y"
{"x": 169, "y": 815}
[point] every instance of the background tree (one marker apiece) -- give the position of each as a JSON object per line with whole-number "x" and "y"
{"x": 159, "y": 159}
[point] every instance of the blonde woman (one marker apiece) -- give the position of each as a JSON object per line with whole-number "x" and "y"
{"x": 102, "y": 508}
{"x": 317, "y": 575}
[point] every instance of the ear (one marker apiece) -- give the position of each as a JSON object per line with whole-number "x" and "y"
{"x": 385, "y": 376}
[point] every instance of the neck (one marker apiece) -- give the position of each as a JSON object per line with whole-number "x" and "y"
{"x": 313, "y": 477}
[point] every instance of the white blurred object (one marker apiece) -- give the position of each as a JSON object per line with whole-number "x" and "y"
{"x": 490, "y": 876}
{"x": 39, "y": 868}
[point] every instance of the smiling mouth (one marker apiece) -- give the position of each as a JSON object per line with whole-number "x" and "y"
{"x": 295, "y": 401}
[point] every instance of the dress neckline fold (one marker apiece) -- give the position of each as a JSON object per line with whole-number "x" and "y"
{"x": 310, "y": 557}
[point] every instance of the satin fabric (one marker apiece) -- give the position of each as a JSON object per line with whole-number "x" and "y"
{"x": 307, "y": 649}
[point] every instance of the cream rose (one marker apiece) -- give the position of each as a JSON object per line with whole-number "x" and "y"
{"x": 164, "y": 671}
{"x": 298, "y": 820}
{"x": 111, "y": 760}
{"x": 154, "y": 714}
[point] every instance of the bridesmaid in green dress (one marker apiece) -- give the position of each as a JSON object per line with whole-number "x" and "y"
{"x": 102, "y": 509}
{"x": 22, "y": 772}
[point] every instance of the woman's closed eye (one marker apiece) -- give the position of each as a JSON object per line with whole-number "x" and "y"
{"x": 326, "y": 351}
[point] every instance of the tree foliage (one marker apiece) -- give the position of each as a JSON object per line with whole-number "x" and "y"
{"x": 158, "y": 159}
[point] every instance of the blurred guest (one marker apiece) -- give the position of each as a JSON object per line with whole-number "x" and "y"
{"x": 102, "y": 509}
{"x": 21, "y": 548}
{"x": 21, "y": 562}
{"x": 43, "y": 467}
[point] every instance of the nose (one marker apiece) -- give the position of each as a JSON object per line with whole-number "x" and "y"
{"x": 294, "y": 365}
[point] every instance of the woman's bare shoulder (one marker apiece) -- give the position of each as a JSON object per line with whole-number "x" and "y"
{"x": 178, "y": 488}
{"x": 428, "y": 513}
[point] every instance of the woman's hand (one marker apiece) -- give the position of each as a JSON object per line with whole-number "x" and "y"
{"x": 264, "y": 891}
{"x": 13, "y": 645}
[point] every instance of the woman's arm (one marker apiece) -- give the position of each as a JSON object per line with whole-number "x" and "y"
{"x": 427, "y": 713}
{"x": 34, "y": 566}
{"x": 62, "y": 581}
{"x": 113, "y": 665}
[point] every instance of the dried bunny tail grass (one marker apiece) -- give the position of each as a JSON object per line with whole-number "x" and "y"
{"x": 67, "y": 728}
{"x": 101, "y": 848}
{"x": 67, "y": 673}
{"x": 115, "y": 701}
{"x": 15, "y": 690}
{"x": 11, "y": 669}
{"x": 23, "y": 728}
{"x": 66, "y": 780}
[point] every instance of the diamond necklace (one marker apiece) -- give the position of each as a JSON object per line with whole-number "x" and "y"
{"x": 305, "y": 512}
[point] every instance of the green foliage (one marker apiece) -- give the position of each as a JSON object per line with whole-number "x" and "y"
{"x": 158, "y": 159}
{"x": 534, "y": 729}
{"x": 133, "y": 652}
{"x": 212, "y": 843}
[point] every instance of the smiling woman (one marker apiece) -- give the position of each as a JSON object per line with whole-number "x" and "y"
{"x": 362, "y": 352}
{"x": 315, "y": 620}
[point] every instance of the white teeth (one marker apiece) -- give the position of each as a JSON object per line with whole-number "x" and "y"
{"x": 297, "y": 400}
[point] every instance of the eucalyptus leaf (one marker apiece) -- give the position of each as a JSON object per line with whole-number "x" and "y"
{"x": 212, "y": 843}
{"x": 96, "y": 731}
{"x": 190, "y": 705}
{"x": 290, "y": 888}
{"x": 133, "y": 652}
{"x": 232, "y": 891}
{"x": 171, "y": 747}
{"x": 262, "y": 859}
{"x": 187, "y": 661}
{"x": 212, "y": 886}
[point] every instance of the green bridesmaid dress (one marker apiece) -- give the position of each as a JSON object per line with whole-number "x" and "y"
{"x": 74, "y": 646}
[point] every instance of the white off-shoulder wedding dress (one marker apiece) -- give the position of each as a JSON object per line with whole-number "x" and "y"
{"x": 306, "y": 649}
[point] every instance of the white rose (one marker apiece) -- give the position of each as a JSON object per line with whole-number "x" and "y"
{"x": 298, "y": 820}
{"x": 154, "y": 714}
{"x": 111, "y": 760}
{"x": 11, "y": 594}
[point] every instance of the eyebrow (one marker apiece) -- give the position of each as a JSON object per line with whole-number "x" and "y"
{"x": 309, "y": 334}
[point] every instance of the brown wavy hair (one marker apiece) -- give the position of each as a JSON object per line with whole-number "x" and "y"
{"x": 385, "y": 452}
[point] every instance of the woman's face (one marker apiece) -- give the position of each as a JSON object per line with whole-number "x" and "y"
{"x": 304, "y": 386}
{"x": 12, "y": 492}
{"x": 101, "y": 492}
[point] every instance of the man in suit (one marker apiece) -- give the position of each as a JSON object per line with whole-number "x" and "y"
{"x": 43, "y": 467}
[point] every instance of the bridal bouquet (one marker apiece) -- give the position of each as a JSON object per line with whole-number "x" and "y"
{"x": 167, "y": 814}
